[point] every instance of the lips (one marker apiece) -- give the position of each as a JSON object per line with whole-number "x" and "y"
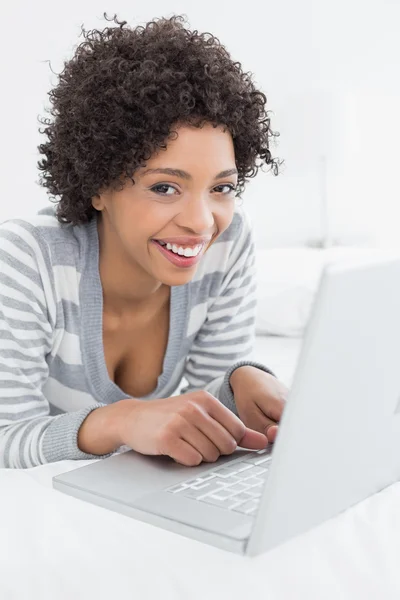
{"x": 185, "y": 241}
{"x": 184, "y": 262}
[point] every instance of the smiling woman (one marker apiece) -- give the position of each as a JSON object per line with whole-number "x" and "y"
{"x": 183, "y": 197}
{"x": 144, "y": 273}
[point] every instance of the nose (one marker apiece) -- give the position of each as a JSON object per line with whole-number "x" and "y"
{"x": 197, "y": 215}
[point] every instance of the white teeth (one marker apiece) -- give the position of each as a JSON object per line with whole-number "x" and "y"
{"x": 184, "y": 251}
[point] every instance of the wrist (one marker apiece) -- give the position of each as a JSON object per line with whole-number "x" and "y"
{"x": 123, "y": 418}
{"x": 102, "y": 431}
{"x": 240, "y": 374}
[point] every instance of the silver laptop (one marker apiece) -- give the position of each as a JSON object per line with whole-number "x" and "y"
{"x": 338, "y": 442}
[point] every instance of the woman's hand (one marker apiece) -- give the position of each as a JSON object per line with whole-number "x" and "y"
{"x": 260, "y": 399}
{"x": 190, "y": 428}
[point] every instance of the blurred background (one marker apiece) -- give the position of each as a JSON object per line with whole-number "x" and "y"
{"x": 330, "y": 70}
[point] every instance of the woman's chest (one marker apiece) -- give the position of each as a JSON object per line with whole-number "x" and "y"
{"x": 134, "y": 351}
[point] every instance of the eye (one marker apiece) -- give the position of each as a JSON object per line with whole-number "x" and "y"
{"x": 225, "y": 188}
{"x": 164, "y": 189}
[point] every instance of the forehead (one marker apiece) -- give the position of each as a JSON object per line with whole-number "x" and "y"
{"x": 197, "y": 149}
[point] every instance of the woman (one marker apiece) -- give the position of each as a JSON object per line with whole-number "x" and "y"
{"x": 144, "y": 274}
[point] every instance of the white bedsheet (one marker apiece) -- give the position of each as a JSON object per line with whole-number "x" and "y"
{"x": 56, "y": 547}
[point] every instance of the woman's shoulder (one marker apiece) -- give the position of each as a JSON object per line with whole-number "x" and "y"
{"x": 228, "y": 248}
{"x": 42, "y": 234}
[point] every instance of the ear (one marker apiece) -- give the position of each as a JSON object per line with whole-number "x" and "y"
{"x": 98, "y": 202}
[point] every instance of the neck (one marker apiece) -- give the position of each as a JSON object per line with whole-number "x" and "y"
{"x": 126, "y": 285}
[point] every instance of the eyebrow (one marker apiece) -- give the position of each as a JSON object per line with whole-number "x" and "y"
{"x": 185, "y": 174}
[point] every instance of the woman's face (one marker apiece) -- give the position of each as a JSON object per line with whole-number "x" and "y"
{"x": 180, "y": 202}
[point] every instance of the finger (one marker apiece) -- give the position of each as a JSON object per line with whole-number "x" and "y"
{"x": 271, "y": 433}
{"x": 258, "y": 421}
{"x": 276, "y": 404}
{"x": 183, "y": 453}
{"x": 225, "y": 417}
{"x": 253, "y": 440}
{"x": 217, "y": 434}
{"x": 196, "y": 438}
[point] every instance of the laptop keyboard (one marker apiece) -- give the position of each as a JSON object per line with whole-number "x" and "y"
{"x": 235, "y": 486}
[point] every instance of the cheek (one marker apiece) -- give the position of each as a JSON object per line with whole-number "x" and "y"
{"x": 223, "y": 214}
{"x": 143, "y": 221}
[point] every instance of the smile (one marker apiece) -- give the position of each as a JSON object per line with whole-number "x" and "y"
{"x": 183, "y": 257}
{"x": 186, "y": 251}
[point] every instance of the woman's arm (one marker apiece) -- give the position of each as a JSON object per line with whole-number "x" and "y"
{"x": 225, "y": 340}
{"x": 28, "y": 435}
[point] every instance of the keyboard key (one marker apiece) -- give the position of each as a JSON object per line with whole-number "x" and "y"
{"x": 225, "y": 471}
{"x": 257, "y": 471}
{"x": 177, "y": 488}
{"x": 192, "y": 493}
{"x": 225, "y": 492}
{"x": 242, "y": 466}
{"x": 207, "y": 477}
{"x": 253, "y": 470}
{"x": 222, "y": 502}
{"x": 255, "y": 491}
{"x": 247, "y": 508}
{"x": 242, "y": 497}
{"x": 200, "y": 486}
{"x": 255, "y": 481}
{"x": 207, "y": 488}
{"x": 256, "y": 459}
{"x": 238, "y": 487}
{"x": 212, "y": 487}
{"x": 263, "y": 460}
{"x": 243, "y": 475}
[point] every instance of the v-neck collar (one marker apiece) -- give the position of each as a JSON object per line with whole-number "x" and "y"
{"x": 92, "y": 348}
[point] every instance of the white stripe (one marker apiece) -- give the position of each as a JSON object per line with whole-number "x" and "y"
{"x": 205, "y": 373}
{"x": 215, "y": 259}
{"x": 197, "y": 317}
{"x": 37, "y": 441}
{"x": 22, "y": 281}
{"x": 69, "y": 349}
{"x": 217, "y": 349}
{"x": 19, "y": 364}
{"x": 16, "y": 294}
{"x": 20, "y": 315}
{"x": 217, "y": 361}
{"x": 15, "y": 448}
{"x": 230, "y": 336}
{"x": 44, "y": 221}
{"x": 19, "y": 394}
{"x": 237, "y": 326}
{"x": 64, "y": 397}
{"x": 47, "y": 287}
{"x": 227, "y": 312}
{"x": 24, "y": 335}
{"x": 67, "y": 283}
{"x": 194, "y": 381}
{"x": 13, "y": 345}
{"x": 21, "y": 378}
{"x": 237, "y": 292}
{"x": 15, "y": 252}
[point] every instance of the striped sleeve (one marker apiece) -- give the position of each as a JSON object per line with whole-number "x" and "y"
{"x": 28, "y": 311}
{"x": 225, "y": 341}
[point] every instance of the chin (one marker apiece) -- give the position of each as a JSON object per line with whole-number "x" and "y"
{"x": 180, "y": 278}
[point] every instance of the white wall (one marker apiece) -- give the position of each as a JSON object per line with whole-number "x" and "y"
{"x": 331, "y": 71}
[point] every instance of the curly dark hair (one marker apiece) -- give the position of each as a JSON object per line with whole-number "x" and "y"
{"x": 118, "y": 98}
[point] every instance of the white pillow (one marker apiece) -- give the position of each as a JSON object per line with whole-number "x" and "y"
{"x": 287, "y": 283}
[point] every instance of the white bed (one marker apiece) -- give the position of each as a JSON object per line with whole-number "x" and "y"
{"x": 56, "y": 547}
